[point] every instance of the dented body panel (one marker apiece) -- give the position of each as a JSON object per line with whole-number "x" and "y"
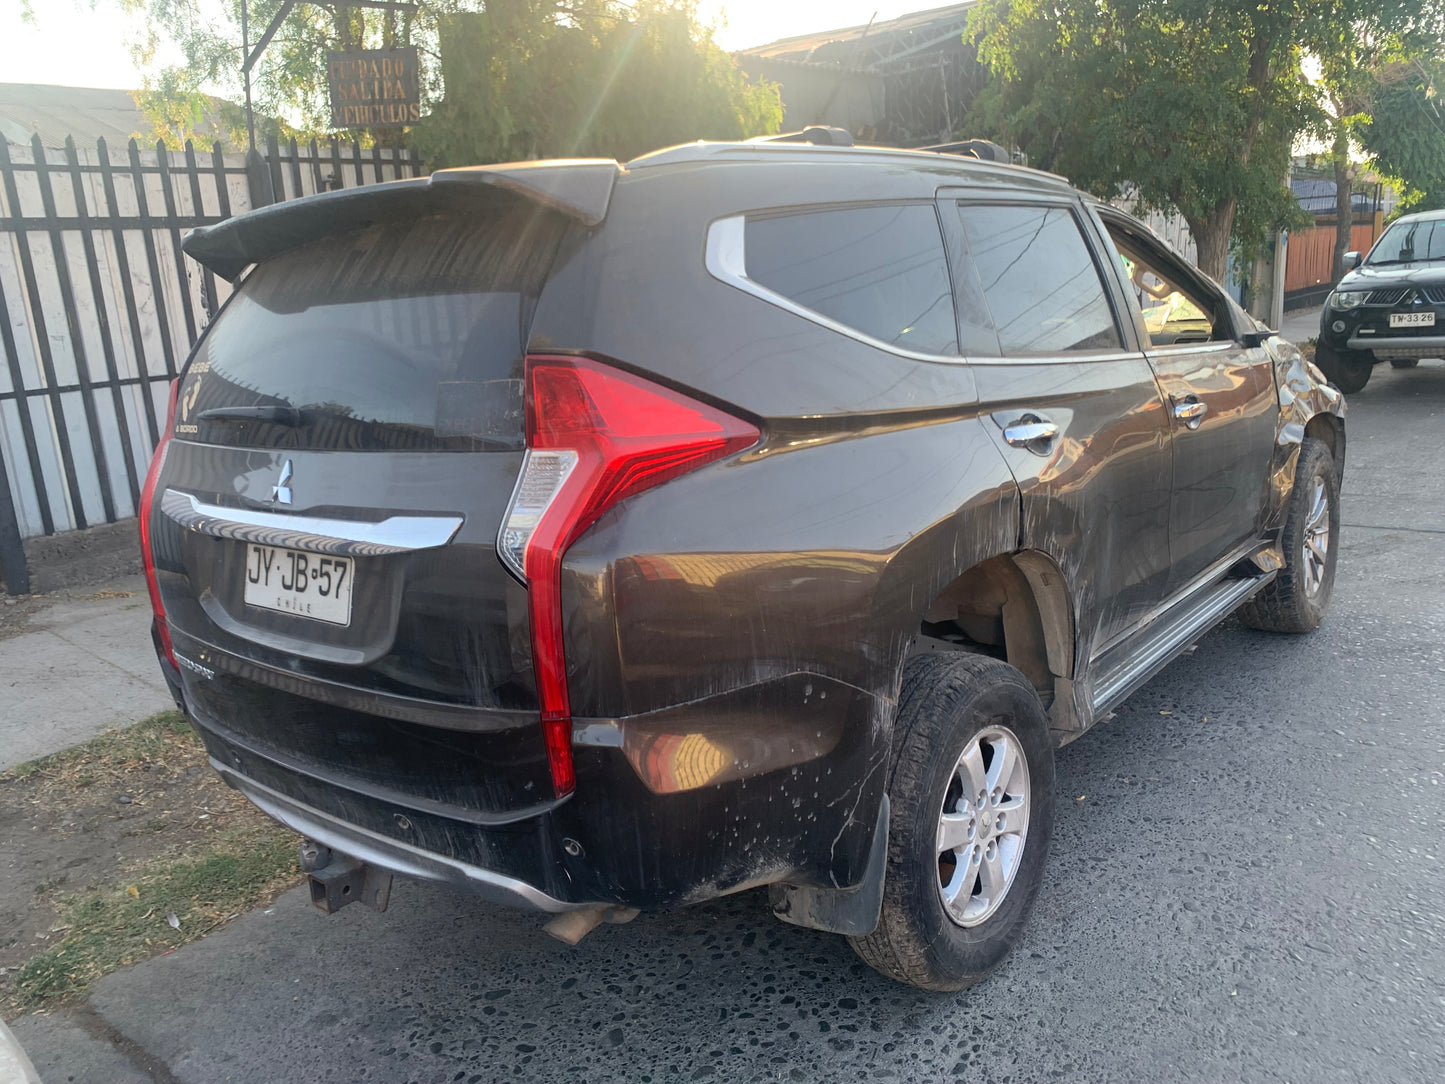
{"x": 1308, "y": 406}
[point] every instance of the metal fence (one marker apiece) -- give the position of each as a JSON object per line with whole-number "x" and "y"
{"x": 99, "y": 308}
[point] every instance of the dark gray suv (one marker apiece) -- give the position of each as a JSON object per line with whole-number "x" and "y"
{"x": 1387, "y": 305}
{"x": 598, "y": 538}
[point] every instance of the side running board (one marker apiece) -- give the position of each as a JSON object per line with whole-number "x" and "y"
{"x": 1142, "y": 656}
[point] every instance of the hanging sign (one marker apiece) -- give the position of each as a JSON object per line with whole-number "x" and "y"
{"x": 373, "y": 88}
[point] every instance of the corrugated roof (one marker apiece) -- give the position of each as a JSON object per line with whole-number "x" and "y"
{"x": 800, "y": 47}
{"x": 85, "y": 113}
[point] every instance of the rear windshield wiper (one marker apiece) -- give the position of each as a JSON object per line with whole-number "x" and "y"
{"x": 277, "y": 415}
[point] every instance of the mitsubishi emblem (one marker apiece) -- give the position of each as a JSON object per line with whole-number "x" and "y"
{"x": 281, "y": 491}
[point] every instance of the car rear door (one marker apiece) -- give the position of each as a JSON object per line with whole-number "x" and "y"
{"x": 1220, "y": 396}
{"x": 1075, "y": 408}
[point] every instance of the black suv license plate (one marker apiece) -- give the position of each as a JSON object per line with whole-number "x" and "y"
{"x": 294, "y": 582}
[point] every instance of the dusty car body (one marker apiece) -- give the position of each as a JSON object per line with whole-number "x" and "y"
{"x": 697, "y": 695}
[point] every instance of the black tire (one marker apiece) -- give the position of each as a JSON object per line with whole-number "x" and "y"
{"x": 1404, "y": 363}
{"x": 1348, "y": 370}
{"x": 948, "y": 699}
{"x": 1287, "y": 603}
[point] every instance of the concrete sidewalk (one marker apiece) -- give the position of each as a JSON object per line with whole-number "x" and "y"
{"x": 74, "y": 664}
{"x": 1301, "y": 325}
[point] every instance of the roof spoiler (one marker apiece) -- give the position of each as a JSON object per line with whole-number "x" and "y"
{"x": 579, "y": 188}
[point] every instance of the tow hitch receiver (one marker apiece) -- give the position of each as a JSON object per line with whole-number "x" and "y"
{"x": 338, "y": 879}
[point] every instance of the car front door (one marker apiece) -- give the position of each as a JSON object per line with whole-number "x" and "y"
{"x": 1073, "y": 404}
{"x": 1219, "y": 393}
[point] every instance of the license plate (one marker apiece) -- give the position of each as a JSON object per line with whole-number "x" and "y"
{"x": 1412, "y": 319}
{"x": 293, "y": 582}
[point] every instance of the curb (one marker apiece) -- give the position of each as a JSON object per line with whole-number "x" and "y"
{"x": 15, "y": 1067}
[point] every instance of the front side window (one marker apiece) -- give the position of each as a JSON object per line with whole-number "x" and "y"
{"x": 879, "y": 270}
{"x": 1175, "y": 312}
{"x": 1039, "y": 279}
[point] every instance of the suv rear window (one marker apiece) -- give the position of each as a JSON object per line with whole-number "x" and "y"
{"x": 879, "y": 270}
{"x": 407, "y": 334}
{"x": 1041, "y": 283}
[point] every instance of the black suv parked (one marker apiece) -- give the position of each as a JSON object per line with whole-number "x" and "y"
{"x": 1389, "y": 307}
{"x": 599, "y": 538}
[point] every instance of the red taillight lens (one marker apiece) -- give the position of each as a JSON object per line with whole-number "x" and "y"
{"x": 595, "y": 435}
{"x": 147, "y": 498}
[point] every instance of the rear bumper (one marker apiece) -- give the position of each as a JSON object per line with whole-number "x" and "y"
{"x": 392, "y": 854}
{"x": 769, "y": 783}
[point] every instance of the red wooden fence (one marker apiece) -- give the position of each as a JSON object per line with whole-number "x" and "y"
{"x": 1312, "y": 251}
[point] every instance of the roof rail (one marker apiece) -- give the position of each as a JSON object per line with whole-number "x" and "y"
{"x": 818, "y": 134}
{"x": 984, "y": 149}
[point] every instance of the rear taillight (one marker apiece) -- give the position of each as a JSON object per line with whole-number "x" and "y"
{"x": 147, "y": 498}
{"x": 595, "y": 435}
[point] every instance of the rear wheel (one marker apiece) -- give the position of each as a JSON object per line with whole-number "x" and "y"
{"x": 1296, "y": 600}
{"x": 1348, "y": 370}
{"x": 1404, "y": 363}
{"x": 971, "y": 813}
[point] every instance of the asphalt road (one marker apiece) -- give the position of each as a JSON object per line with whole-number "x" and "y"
{"x": 1246, "y": 884}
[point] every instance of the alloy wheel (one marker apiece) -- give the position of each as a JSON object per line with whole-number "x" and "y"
{"x": 1316, "y": 548}
{"x": 983, "y": 825}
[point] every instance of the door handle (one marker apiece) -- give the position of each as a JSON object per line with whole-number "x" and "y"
{"x": 1190, "y": 410}
{"x": 1031, "y": 432}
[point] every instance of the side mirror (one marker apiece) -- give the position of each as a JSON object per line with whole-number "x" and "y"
{"x": 1252, "y": 339}
{"x": 1353, "y": 260}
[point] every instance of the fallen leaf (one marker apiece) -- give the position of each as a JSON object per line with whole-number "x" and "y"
{"x": 1081, "y": 797}
{"x": 132, "y": 890}
{"x": 1166, "y": 713}
{"x": 173, "y": 921}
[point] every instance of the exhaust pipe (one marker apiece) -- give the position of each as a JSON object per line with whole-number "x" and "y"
{"x": 571, "y": 926}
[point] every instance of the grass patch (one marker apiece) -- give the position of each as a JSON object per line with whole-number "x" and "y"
{"x": 109, "y": 928}
{"x": 114, "y": 751}
{"x": 185, "y": 848}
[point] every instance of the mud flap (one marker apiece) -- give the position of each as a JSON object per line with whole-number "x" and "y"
{"x": 853, "y": 911}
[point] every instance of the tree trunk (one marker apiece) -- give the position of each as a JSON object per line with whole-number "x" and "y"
{"x": 1344, "y": 203}
{"x": 1211, "y": 239}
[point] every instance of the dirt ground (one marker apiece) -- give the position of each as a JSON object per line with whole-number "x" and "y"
{"x": 15, "y": 612}
{"x": 91, "y": 818}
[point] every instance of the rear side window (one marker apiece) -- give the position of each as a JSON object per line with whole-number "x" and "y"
{"x": 879, "y": 270}
{"x": 408, "y": 334}
{"x": 1039, "y": 279}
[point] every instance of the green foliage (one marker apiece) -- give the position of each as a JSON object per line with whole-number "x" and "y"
{"x": 499, "y": 79}
{"x": 1404, "y": 134}
{"x": 597, "y": 84}
{"x": 1191, "y": 103}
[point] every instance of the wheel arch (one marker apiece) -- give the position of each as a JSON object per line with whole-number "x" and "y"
{"x": 1014, "y": 606}
{"x": 1330, "y": 430}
